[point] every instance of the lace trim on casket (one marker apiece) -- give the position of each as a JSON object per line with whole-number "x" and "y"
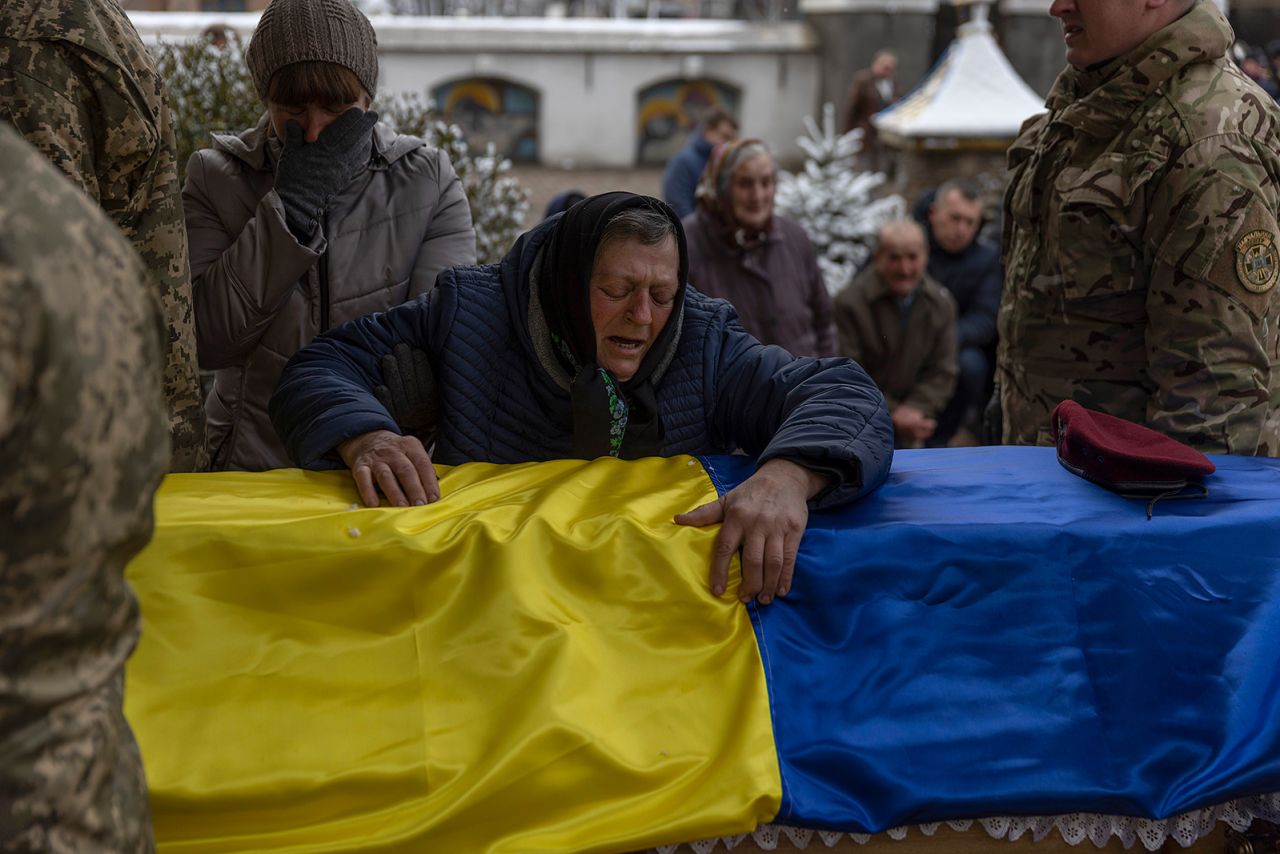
{"x": 1185, "y": 828}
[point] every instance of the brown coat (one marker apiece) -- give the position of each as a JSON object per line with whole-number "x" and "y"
{"x": 260, "y": 295}
{"x": 863, "y": 102}
{"x": 915, "y": 364}
{"x": 776, "y": 287}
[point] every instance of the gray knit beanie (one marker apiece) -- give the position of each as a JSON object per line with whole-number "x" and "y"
{"x": 292, "y": 31}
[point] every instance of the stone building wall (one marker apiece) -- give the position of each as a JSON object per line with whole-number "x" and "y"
{"x": 917, "y": 171}
{"x": 849, "y": 32}
{"x": 607, "y": 93}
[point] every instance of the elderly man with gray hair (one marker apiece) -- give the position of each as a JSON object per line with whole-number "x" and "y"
{"x": 900, "y": 325}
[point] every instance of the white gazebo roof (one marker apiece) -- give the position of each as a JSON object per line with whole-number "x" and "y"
{"x": 972, "y": 94}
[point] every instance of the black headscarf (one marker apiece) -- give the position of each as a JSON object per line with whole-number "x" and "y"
{"x": 610, "y": 418}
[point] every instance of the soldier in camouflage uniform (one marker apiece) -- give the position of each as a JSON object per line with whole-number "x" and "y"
{"x": 76, "y": 81}
{"x": 1140, "y": 235}
{"x": 83, "y": 445}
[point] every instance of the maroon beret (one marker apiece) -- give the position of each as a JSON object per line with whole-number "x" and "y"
{"x": 1127, "y": 458}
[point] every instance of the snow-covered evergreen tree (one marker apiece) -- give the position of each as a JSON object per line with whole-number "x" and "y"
{"x": 498, "y": 202}
{"x": 834, "y": 203}
{"x": 210, "y": 89}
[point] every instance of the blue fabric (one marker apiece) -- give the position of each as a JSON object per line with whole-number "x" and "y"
{"x": 723, "y": 389}
{"x": 990, "y": 635}
{"x": 684, "y": 170}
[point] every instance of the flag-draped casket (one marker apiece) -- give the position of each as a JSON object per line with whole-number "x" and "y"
{"x": 535, "y": 662}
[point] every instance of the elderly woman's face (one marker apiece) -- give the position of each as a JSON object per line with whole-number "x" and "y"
{"x": 752, "y": 185}
{"x": 633, "y": 292}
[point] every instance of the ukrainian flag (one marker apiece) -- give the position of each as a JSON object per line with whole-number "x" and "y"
{"x": 535, "y": 663}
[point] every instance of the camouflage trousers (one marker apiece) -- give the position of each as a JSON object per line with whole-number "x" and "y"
{"x": 71, "y": 779}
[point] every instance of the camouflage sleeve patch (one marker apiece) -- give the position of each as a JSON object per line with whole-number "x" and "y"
{"x": 1247, "y": 265}
{"x": 1212, "y": 302}
{"x": 1221, "y": 223}
{"x": 1257, "y": 266}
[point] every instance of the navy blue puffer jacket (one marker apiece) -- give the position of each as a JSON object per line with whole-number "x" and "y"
{"x": 501, "y": 401}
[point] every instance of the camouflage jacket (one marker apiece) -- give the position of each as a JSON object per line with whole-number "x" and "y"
{"x": 83, "y": 445}
{"x": 76, "y": 81}
{"x": 1141, "y": 248}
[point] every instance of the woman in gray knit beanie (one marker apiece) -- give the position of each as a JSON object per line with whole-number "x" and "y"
{"x": 315, "y": 216}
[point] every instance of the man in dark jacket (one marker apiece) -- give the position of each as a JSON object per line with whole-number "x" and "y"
{"x": 968, "y": 267}
{"x": 680, "y": 179}
{"x": 900, "y": 325}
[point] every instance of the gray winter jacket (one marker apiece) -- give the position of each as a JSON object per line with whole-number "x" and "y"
{"x": 260, "y": 295}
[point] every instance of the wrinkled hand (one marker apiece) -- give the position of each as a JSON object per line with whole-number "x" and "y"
{"x": 911, "y": 424}
{"x": 398, "y": 465}
{"x": 766, "y": 516}
{"x": 409, "y": 390}
{"x": 310, "y": 175}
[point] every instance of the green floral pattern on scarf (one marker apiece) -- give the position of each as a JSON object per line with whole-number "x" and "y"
{"x": 618, "y": 410}
{"x": 617, "y": 414}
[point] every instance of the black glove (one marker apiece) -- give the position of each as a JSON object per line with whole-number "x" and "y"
{"x": 993, "y": 420}
{"x": 409, "y": 391}
{"x": 310, "y": 175}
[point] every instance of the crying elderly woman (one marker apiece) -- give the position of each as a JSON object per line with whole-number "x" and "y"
{"x": 587, "y": 341}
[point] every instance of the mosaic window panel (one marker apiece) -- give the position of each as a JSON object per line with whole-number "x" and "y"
{"x": 668, "y": 110}
{"x": 489, "y": 109}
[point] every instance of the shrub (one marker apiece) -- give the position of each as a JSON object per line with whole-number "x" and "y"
{"x": 834, "y": 203}
{"x": 498, "y": 202}
{"x": 210, "y": 89}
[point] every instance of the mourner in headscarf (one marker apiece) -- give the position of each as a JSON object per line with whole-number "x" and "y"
{"x": 742, "y": 250}
{"x": 584, "y": 342}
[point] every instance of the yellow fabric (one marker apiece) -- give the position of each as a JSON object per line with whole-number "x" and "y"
{"x": 532, "y": 664}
